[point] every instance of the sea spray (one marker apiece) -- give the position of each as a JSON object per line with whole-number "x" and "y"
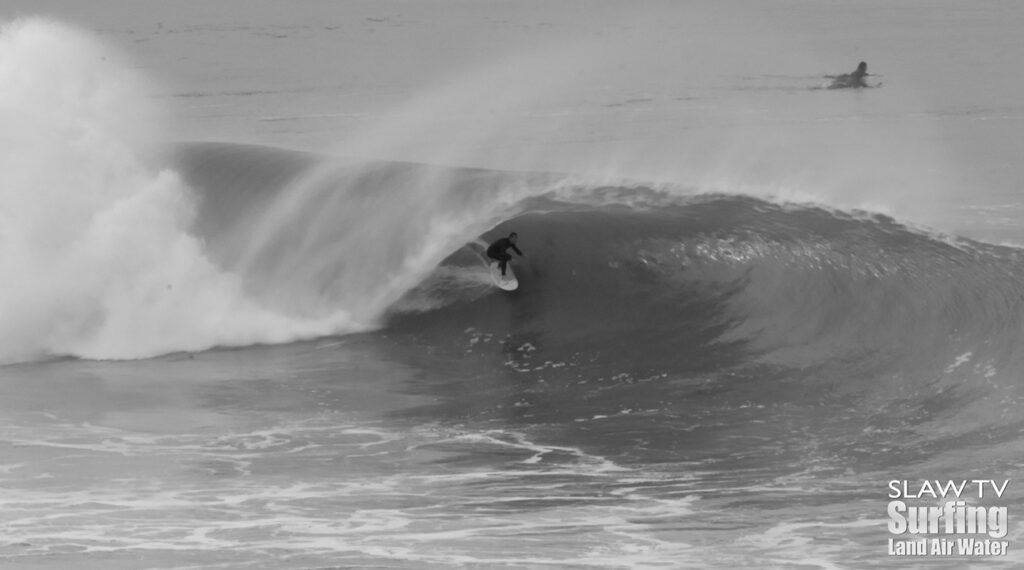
{"x": 105, "y": 243}
{"x": 361, "y": 233}
{"x": 361, "y": 236}
{"x": 94, "y": 252}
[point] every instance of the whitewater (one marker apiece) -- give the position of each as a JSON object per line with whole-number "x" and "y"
{"x": 244, "y": 322}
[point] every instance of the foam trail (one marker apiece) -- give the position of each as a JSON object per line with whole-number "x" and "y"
{"x": 93, "y": 248}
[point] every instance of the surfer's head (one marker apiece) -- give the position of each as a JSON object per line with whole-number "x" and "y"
{"x": 862, "y": 69}
{"x": 512, "y": 237}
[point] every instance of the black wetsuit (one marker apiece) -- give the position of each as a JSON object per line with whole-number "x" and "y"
{"x": 497, "y": 251}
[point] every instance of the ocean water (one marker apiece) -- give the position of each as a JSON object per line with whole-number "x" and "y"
{"x": 244, "y": 322}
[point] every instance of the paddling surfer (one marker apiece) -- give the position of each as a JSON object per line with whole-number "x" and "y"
{"x": 855, "y": 79}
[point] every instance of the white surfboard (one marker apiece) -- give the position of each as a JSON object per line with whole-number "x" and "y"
{"x": 508, "y": 282}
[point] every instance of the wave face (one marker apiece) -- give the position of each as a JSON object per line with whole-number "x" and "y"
{"x": 630, "y": 297}
{"x": 680, "y": 306}
{"x": 795, "y": 285}
{"x": 652, "y": 279}
{"x": 652, "y": 271}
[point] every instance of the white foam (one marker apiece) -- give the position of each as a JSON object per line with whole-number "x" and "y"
{"x": 94, "y": 245}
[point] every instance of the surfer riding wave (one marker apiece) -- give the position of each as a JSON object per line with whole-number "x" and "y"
{"x": 498, "y": 251}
